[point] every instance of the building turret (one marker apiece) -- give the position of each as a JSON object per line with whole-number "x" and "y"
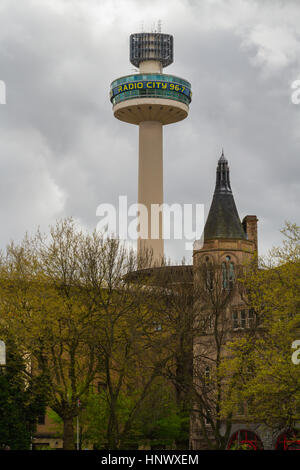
{"x": 224, "y": 235}
{"x": 223, "y": 220}
{"x": 228, "y": 248}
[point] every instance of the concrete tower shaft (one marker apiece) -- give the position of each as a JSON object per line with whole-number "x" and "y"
{"x": 150, "y": 186}
{"x": 151, "y": 99}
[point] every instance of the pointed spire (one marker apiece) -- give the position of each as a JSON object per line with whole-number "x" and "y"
{"x": 223, "y": 180}
{"x": 223, "y": 220}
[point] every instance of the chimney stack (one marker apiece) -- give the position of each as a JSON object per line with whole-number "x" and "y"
{"x": 250, "y": 228}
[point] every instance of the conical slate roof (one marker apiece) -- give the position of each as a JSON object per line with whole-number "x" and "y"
{"x": 223, "y": 219}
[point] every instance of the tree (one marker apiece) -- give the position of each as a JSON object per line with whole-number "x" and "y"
{"x": 260, "y": 363}
{"x": 160, "y": 422}
{"x": 141, "y": 323}
{"x": 190, "y": 311}
{"x": 127, "y": 365}
{"x": 157, "y": 422}
{"x": 22, "y": 400}
{"x": 172, "y": 305}
{"x": 78, "y": 320}
{"x": 45, "y": 306}
{"x": 214, "y": 327}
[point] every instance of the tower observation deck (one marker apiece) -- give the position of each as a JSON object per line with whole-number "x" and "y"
{"x": 150, "y": 99}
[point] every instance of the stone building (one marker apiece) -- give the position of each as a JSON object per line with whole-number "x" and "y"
{"x": 229, "y": 244}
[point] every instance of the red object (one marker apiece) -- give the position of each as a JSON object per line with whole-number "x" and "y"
{"x": 244, "y": 437}
{"x": 288, "y": 441}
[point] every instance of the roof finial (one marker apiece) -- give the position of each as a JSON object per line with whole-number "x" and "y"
{"x": 222, "y": 158}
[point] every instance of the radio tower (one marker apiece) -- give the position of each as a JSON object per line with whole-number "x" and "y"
{"x": 150, "y": 99}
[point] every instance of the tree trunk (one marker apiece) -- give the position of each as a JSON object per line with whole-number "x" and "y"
{"x": 68, "y": 436}
{"x": 112, "y": 440}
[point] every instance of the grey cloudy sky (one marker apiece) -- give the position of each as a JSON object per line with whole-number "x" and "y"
{"x": 61, "y": 151}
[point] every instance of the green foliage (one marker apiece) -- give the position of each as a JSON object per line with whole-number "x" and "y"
{"x": 158, "y": 422}
{"x": 237, "y": 446}
{"x": 263, "y": 374}
{"x": 93, "y": 420}
{"x": 22, "y": 400}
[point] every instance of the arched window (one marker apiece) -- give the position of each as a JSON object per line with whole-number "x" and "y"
{"x": 208, "y": 274}
{"x": 231, "y": 274}
{"x": 244, "y": 439}
{"x": 228, "y": 273}
{"x": 224, "y": 276}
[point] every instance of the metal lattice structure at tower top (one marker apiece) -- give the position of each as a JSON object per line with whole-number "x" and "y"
{"x": 151, "y": 46}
